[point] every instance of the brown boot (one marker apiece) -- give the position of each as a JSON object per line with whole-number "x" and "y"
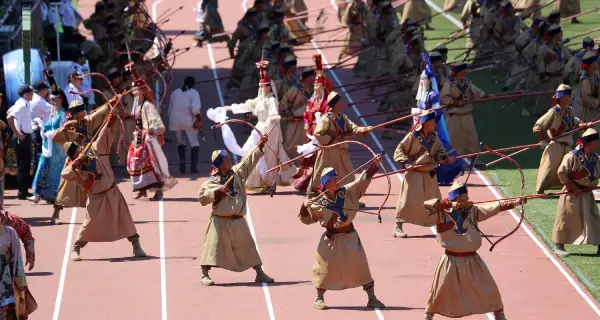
{"x": 137, "y": 248}
{"x": 75, "y": 253}
{"x": 560, "y": 250}
{"x": 398, "y": 232}
{"x": 55, "y": 216}
{"x": 261, "y": 276}
{"x": 373, "y": 301}
{"x": 206, "y": 280}
{"x": 499, "y": 315}
{"x": 428, "y": 316}
{"x": 320, "y": 300}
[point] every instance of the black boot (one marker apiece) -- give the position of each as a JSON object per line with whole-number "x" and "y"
{"x": 194, "y": 154}
{"x": 181, "y": 152}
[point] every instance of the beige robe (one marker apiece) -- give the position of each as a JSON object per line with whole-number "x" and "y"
{"x": 577, "y": 216}
{"x": 589, "y": 94}
{"x": 463, "y": 286}
{"x": 459, "y": 119}
{"x": 418, "y": 10}
{"x": 341, "y": 262}
{"x": 417, "y": 185}
{"x": 527, "y": 4}
{"x": 242, "y": 34}
{"x": 567, "y": 7}
{"x": 472, "y": 16}
{"x": 506, "y": 32}
{"x": 338, "y": 157}
{"x": 353, "y": 18}
{"x": 293, "y": 105}
{"x": 553, "y": 124}
{"x": 107, "y": 218}
{"x": 519, "y": 71}
{"x": 71, "y": 194}
{"x": 400, "y": 96}
{"x": 556, "y": 67}
{"x": 228, "y": 243}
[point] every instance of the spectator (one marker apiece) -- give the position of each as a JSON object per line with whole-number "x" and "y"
{"x": 19, "y": 119}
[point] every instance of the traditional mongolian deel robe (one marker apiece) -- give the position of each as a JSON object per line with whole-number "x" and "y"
{"x": 577, "y": 217}
{"x": 519, "y": 70}
{"x": 47, "y": 177}
{"x": 589, "y": 93}
{"x": 107, "y": 218}
{"x": 463, "y": 285}
{"x": 354, "y": 18}
{"x": 146, "y": 162}
{"x": 568, "y": 7}
{"x": 228, "y": 243}
{"x": 330, "y": 129}
{"x": 472, "y": 16}
{"x": 553, "y": 62}
{"x": 293, "y": 105}
{"x": 506, "y": 31}
{"x": 459, "y": 119}
{"x": 341, "y": 262}
{"x": 421, "y": 184}
{"x": 71, "y": 194}
{"x": 13, "y": 280}
{"x": 266, "y": 109}
{"x": 418, "y": 10}
{"x": 555, "y": 122}
{"x": 317, "y": 106}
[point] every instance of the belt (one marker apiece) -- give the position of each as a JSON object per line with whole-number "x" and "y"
{"x": 232, "y": 217}
{"x": 333, "y": 231}
{"x": 460, "y": 254}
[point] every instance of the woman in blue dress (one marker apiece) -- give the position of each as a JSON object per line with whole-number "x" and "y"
{"x": 47, "y": 175}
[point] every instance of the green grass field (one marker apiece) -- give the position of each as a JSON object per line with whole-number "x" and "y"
{"x": 502, "y": 127}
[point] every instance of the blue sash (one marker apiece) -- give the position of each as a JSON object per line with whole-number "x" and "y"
{"x": 589, "y": 164}
{"x": 336, "y": 206}
{"x": 567, "y": 118}
{"x": 459, "y": 217}
{"x": 222, "y": 179}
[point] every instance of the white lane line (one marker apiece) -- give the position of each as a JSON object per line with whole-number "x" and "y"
{"x": 63, "y": 270}
{"x": 161, "y": 207}
{"x": 524, "y": 226}
{"x": 265, "y": 286}
{"x": 163, "y": 263}
{"x": 446, "y": 15}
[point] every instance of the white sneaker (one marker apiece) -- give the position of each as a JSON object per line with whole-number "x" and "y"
{"x": 34, "y": 198}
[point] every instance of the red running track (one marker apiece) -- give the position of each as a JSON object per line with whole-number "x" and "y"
{"x": 108, "y": 284}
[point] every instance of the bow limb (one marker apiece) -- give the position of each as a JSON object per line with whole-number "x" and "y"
{"x": 374, "y": 156}
{"x": 516, "y": 164}
{"x": 274, "y": 183}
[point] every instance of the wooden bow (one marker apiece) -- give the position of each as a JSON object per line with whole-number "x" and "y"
{"x": 279, "y": 165}
{"x": 516, "y": 164}
{"x": 360, "y": 167}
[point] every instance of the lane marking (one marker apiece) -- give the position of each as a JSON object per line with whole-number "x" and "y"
{"x": 63, "y": 270}
{"x": 161, "y": 207}
{"x": 524, "y": 226}
{"x": 265, "y": 286}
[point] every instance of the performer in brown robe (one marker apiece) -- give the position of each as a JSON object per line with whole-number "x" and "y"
{"x": 589, "y": 92}
{"x": 458, "y": 114}
{"x": 70, "y": 194}
{"x": 557, "y": 120}
{"x": 552, "y": 63}
{"x": 228, "y": 243}
{"x": 462, "y": 284}
{"x": 568, "y": 8}
{"x": 577, "y": 216}
{"x": 418, "y": 10}
{"x": 108, "y": 218}
{"x": 341, "y": 262}
{"x": 292, "y": 106}
{"x": 420, "y": 146}
{"x": 333, "y": 127}
{"x": 354, "y": 18}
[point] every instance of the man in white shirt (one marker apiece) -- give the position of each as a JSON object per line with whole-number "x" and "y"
{"x": 86, "y": 83}
{"x": 75, "y": 81}
{"x": 19, "y": 120}
{"x": 185, "y": 120}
